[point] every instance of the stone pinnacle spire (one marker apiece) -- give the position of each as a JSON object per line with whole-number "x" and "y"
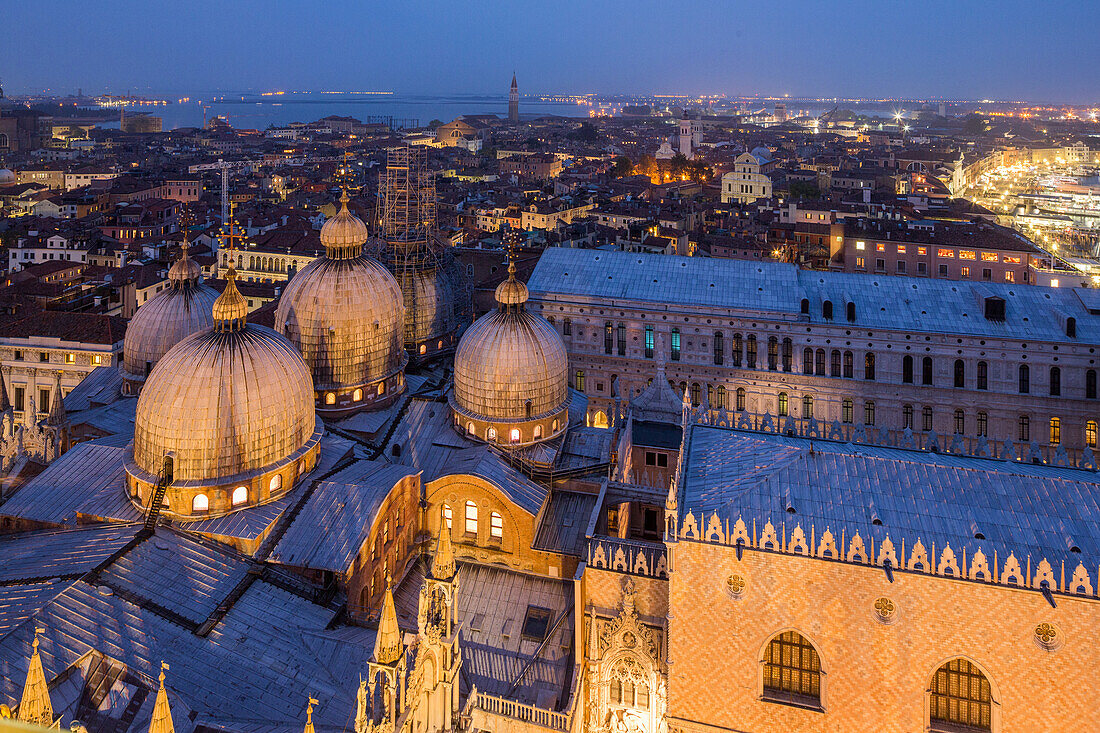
{"x": 443, "y": 564}
{"x": 35, "y": 706}
{"x": 56, "y": 415}
{"x": 161, "y": 722}
{"x": 387, "y": 644}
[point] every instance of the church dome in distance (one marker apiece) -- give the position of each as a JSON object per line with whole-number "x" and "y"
{"x": 511, "y": 373}
{"x": 346, "y": 315}
{"x": 182, "y": 309}
{"x": 233, "y": 405}
{"x": 7, "y": 177}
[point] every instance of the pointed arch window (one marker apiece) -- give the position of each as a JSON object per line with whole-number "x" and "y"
{"x": 960, "y": 698}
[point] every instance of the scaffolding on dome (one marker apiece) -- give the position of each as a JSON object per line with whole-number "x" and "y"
{"x": 438, "y": 302}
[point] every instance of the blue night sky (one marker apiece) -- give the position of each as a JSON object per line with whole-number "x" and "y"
{"x": 1004, "y": 49}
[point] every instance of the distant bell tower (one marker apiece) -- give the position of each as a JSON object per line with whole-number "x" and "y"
{"x": 513, "y": 101}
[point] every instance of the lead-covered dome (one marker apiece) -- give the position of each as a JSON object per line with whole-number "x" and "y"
{"x": 511, "y": 373}
{"x": 7, "y": 177}
{"x": 234, "y": 406}
{"x": 174, "y": 314}
{"x": 345, "y": 313}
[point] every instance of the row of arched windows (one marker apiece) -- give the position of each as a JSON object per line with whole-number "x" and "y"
{"x": 470, "y": 521}
{"x": 959, "y": 695}
{"x": 200, "y": 503}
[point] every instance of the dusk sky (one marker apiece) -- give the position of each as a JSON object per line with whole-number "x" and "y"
{"x": 1007, "y": 49}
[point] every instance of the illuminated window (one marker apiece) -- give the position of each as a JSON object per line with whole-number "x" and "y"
{"x": 240, "y": 495}
{"x": 1090, "y": 433}
{"x": 276, "y": 482}
{"x": 70, "y": 358}
{"x": 357, "y": 395}
{"x": 1012, "y": 260}
{"x": 490, "y": 433}
{"x": 578, "y": 380}
{"x": 496, "y": 526}
{"x": 514, "y": 435}
{"x": 922, "y": 250}
{"x": 200, "y": 503}
{"x": 423, "y": 348}
{"x": 967, "y": 254}
{"x": 959, "y": 698}
{"x": 330, "y": 398}
{"x": 861, "y": 246}
{"x": 792, "y": 670}
{"x": 989, "y": 256}
{"x": 471, "y": 518}
{"x": 1055, "y": 431}
{"x": 880, "y": 247}
{"x": 861, "y": 263}
{"x": 782, "y": 404}
{"x": 97, "y": 359}
{"x": 381, "y": 388}
{"x": 537, "y": 432}
{"x": 901, "y": 249}
{"x": 946, "y": 253}
{"x": 964, "y": 272}
{"x": 447, "y": 515}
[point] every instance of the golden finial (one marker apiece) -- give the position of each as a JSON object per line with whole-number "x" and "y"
{"x": 309, "y": 714}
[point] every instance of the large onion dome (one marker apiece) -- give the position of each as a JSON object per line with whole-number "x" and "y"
{"x": 345, "y": 313}
{"x": 511, "y": 373}
{"x": 234, "y": 406}
{"x": 182, "y": 309}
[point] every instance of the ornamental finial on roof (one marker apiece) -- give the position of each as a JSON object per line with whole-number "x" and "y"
{"x": 161, "y": 722}
{"x": 35, "y": 706}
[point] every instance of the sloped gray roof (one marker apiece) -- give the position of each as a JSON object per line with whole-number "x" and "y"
{"x": 58, "y": 553}
{"x": 251, "y": 672}
{"x": 936, "y": 497}
{"x": 338, "y": 517}
{"x": 731, "y": 287}
{"x": 55, "y": 495}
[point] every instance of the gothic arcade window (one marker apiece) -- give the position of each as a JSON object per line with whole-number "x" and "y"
{"x": 792, "y": 670}
{"x": 959, "y": 699}
{"x": 773, "y": 353}
{"x": 720, "y": 402}
{"x": 608, "y": 337}
{"x": 620, "y": 339}
{"x": 719, "y": 347}
{"x": 788, "y": 354}
{"x": 737, "y": 344}
{"x": 740, "y": 399}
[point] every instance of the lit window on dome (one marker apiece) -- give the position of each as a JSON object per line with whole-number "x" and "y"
{"x": 276, "y": 482}
{"x": 357, "y": 395}
{"x": 381, "y": 388}
{"x": 200, "y": 503}
{"x": 514, "y": 437}
{"x": 490, "y": 434}
{"x": 423, "y": 348}
{"x": 330, "y": 398}
{"x": 240, "y": 495}
{"x": 538, "y": 432}
{"x": 470, "y": 428}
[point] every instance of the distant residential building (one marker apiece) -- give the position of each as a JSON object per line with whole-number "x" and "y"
{"x": 540, "y": 167}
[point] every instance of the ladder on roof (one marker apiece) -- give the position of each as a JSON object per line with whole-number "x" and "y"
{"x": 164, "y": 480}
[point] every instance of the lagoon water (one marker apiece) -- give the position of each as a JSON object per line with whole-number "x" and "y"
{"x": 259, "y": 112}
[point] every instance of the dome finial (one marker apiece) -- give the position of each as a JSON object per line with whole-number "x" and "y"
{"x": 344, "y": 235}
{"x": 184, "y": 270}
{"x": 511, "y": 292}
{"x": 230, "y": 309}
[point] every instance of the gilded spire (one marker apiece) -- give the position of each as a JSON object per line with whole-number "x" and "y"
{"x": 35, "y": 706}
{"x": 309, "y": 716}
{"x": 443, "y": 564}
{"x": 387, "y": 644}
{"x": 230, "y": 309}
{"x": 161, "y": 722}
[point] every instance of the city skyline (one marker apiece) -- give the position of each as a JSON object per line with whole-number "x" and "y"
{"x": 644, "y": 48}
